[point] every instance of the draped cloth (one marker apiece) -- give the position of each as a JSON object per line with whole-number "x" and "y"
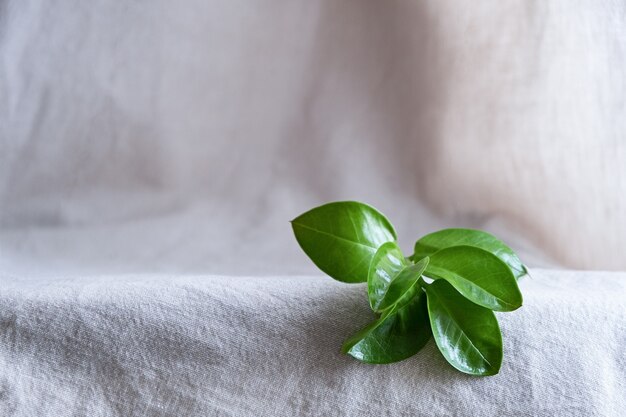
{"x": 152, "y": 154}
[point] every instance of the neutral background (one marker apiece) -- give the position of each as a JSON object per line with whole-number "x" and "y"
{"x": 153, "y": 152}
{"x": 227, "y": 119}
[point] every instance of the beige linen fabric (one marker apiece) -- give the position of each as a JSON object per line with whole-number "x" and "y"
{"x": 508, "y": 116}
{"x": 143, "y": 141}
{"x": 175, "y": 345}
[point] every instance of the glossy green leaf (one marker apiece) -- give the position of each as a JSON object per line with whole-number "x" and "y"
{"x": 467, "y": 335}
{"x": 477, "y": 274}
{"x": 391, "y": 277}
{"x": 446, "y": 238}
{"x": 398, "y": 334}
{"x": 342, "y": 237}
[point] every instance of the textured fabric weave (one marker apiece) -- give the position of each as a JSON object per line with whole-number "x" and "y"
{"x": 249, "y": 346}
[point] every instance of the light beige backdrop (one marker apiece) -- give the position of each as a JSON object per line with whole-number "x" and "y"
{"x": 196, "y": 130}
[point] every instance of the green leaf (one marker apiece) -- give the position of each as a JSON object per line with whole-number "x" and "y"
{"x": 478, "y": 275}
{"x": 446, "y": 238}
{"x": 391, "y": 278}
{"x": 467, "y": 335}
{"x": 398, "y": 334}
{"x": 342, "y": 237}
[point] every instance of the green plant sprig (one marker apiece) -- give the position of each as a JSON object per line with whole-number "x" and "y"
{"x": 449, "y": 288}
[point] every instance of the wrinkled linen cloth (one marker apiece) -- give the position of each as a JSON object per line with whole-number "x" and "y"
{"x": 163, "y": 345}
{"x": 153, "y": 152}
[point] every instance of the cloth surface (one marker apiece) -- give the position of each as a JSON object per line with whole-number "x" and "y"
{"x": 248, "y": 346}
{"x": 152, "y": 153}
